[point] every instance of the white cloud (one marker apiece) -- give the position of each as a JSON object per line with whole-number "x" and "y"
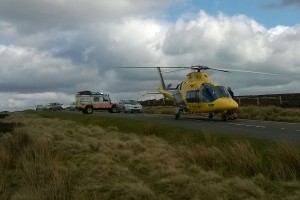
{"x": 50, "y": 61}
{"x": 27, "y": 70}
{"x": 236, "y": 39}
{"x": 33, "y": 15}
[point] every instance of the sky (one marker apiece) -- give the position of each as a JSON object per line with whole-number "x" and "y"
{"x": 51, "y": 49}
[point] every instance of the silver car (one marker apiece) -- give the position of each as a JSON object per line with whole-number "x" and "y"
{"x": 129, "y": 106}
{"x": 54, "y": 106}
{"x": 39, "y": 107}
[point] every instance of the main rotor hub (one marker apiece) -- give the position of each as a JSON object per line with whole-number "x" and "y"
{"x": 197, "y": 76}
{"x": 199, "y": 68}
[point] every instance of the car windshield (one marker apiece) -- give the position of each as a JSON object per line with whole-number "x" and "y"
{"x": 132, "y": 102}
{"x": 105, "y": 97}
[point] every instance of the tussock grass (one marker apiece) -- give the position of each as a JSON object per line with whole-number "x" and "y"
{"x": 270, "y": 113}
{"x": 159, "y": 109}
{"x": 285, "y": 161}
{"x": 241, "y": 156}
{"x": 48, "y": 158}
{"x": 29, "y": 171}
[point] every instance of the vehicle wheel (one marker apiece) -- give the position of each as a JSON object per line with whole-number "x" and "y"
{"x": 89, "y": 110}
{"x": 113, "y": 110}
{"x": 210, "y": 115}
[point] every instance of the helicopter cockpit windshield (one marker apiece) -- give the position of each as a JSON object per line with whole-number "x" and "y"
{"x": 209, "y": 92}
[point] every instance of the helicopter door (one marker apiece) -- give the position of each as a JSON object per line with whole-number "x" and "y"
{"x": 192, "y": 98}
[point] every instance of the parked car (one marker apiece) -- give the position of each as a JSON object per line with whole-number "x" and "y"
{"x": 65, "y": 106}
{"x": 129, "y": 106}
{"x": 39, "y": 107}
{"x": 70, "y": 107}
{"x": 54, "y": 106}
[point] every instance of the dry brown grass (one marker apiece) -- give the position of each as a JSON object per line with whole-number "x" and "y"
{"x": 241, "y": 156}
{"x": 57, "y": 159}
{"x": 159, "y": 109}
{"x": 269, "y": 113}
{"x": 285, "y": 161}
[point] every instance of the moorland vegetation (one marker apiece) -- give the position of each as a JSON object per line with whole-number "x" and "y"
{"x": 57, "y": 155}
{"x": 268, "y": 113}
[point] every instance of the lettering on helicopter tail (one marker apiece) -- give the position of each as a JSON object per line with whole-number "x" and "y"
{"x": 211, "y": 105}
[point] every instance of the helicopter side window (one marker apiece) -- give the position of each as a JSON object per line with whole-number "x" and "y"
{"x": 192, "y": 96}
{"x": 201, "y": 95}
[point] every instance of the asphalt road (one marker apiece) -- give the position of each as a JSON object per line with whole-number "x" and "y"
{"x": 279, "y": 131}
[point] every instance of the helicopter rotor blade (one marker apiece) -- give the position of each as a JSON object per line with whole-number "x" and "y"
{"x": 221, "y": 70}
{"x": 175, "y": 70}
{"x": 156, "y": 67}
{"x": 253, "y": 72}
{"x": 199, "y": 67}
{"x": 202, "y": 67}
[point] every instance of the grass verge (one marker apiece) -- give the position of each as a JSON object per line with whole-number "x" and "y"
{"x": 69, "y": 156}
{"x": 268, "y": 113}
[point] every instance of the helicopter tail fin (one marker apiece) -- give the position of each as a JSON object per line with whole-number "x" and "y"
{"x": 163, "y": 85}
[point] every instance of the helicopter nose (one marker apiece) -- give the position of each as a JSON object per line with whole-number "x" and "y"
{"x": 225, "y": 104}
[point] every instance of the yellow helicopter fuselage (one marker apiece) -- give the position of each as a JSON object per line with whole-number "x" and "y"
{"x": 201, "y": 95}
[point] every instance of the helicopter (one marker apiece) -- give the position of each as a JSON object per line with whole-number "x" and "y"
{"x": 199, "y": 94}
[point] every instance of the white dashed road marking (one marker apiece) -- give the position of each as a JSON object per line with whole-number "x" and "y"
{"x": 248, "y": 125}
